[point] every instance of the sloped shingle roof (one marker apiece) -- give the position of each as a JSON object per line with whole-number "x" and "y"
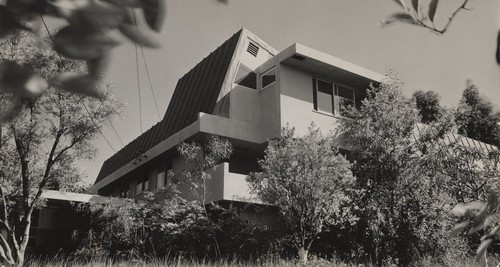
{"x": 195, "y": 92}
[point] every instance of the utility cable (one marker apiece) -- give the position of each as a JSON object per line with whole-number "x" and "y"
{"x": 81, "y": 99}
{"x": 138, "y": 75}
{"x": 116, "y": 133}
{"x": 138, "y": 87}
{"x": 150, "y": 83}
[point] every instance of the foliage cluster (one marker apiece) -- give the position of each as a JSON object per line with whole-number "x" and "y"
{"x": 476, "y": 116}
{"x": 407, "y": 177}
{"x": 39, "y": 147}
{"x": 159, "y": 224}
{"x": 389, "y": 204}
{"x": 87, "y": 36}
{"x": 164, "y": 225}
{"x": 308, "y": 180}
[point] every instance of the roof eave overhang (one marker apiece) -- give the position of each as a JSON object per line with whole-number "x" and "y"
{"x": 327, "y": 66}
{"x": 207, "y": 124}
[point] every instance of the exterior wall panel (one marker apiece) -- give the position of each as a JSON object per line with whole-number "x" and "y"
{"x": 296, "y": 101}
{"x": 245, "y": 105}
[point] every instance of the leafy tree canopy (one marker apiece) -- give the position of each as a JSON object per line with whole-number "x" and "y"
{"x": 428, "y": 105}
{"x": 476, "y": 117}
{"x": 40, "y": 146}
{"x": 401, "y": 208}
{"x": 308, "y": 180}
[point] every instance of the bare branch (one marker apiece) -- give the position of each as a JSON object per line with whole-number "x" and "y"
{"x": 450, "y": 19}
{"x": 420, "y": 21}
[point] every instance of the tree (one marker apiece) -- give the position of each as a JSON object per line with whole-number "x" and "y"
{"x": 41, "y": 144}
{"x": 307, "y": 179}
{"x": 428, "y": 105}
{"x": 401, "y": 216}
{"x": 476, "y": 117}
{"x": 202, "y": 157}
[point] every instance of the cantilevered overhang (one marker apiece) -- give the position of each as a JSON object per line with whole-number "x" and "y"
{"x": 206, "y": 124}
{"x": 327, "y": 66}
{"x": 73, "y": 197}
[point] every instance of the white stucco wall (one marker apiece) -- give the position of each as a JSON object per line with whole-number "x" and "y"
{"x": 296, "y": 102}
{"x": 270, "y": 112}
{"x": 245, "y": 105}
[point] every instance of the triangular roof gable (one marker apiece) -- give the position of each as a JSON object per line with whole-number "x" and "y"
{"x": 245, "y": 37}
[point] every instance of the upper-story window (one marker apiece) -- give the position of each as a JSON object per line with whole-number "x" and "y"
{"x": 323, "y": 96}
{"x": 333, "y": 98}
{"x": 246, "y": 77}
{"x": 268, "y": 78}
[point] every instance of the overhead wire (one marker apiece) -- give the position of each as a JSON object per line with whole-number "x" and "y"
{"x": 150, "y": 83}
{"x": 81, "y": 99}
{"x": 138, "y": 76}
{"x": 116, "y": 133}
{"x": 124, "y": 149}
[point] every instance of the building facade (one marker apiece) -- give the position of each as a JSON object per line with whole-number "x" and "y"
{"x": 244, "y": 91}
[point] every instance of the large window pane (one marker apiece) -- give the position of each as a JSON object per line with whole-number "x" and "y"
{"x": 346, "y": 98}
{"x": 138, "y": 187}
{"x": 324, "y": 96}
{"x": 160, "y": 180}
{"x": 359, "y": 97}
{"x": 345, "y": 92}
{"x": 246, "y": 77}
{"x": 268, "y": 78}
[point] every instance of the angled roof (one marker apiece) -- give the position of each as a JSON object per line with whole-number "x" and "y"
{"x": 195, "y": 92}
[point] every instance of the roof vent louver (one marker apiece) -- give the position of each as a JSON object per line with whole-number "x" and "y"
{"x": 253, "y": 49}
{"x": 298, "y": 57}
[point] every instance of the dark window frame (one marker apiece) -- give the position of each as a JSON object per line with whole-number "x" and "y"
{"x": 336, "y": 96}
{"x": 315, "y": 95}
{"x": 248, "y": 80}
{"x": 266, "y": 73}
{"x": 143, "y": 184}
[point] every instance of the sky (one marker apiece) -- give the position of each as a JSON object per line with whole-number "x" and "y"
{"x": 347, "y": 29}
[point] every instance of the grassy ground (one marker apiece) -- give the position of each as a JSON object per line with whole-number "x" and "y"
{"x": 224, "y": 263}
{"x": 184, "y": 263}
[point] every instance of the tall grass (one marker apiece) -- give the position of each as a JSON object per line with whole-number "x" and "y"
{"x": 61, "y": 262}
{"x": 180, "y": 262}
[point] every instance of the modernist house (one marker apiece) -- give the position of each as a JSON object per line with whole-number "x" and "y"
{"x": 244, "y": 91}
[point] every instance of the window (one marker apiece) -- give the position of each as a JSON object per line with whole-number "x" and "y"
{"x": 160, "y": 180}
{"x": 163, "y": 177}
{"x": 246, "y": 77}
{"x": 169, "y": 179}
{"x": 323, "y": 96}
{"x": 346, "y": 98}
{"x": 142, "y": 185}
{"x": 124, "y": 190}
{"x": 333, "y": 98}
{"x": 358, "y": 99}
{"x": 268, "y": 78}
